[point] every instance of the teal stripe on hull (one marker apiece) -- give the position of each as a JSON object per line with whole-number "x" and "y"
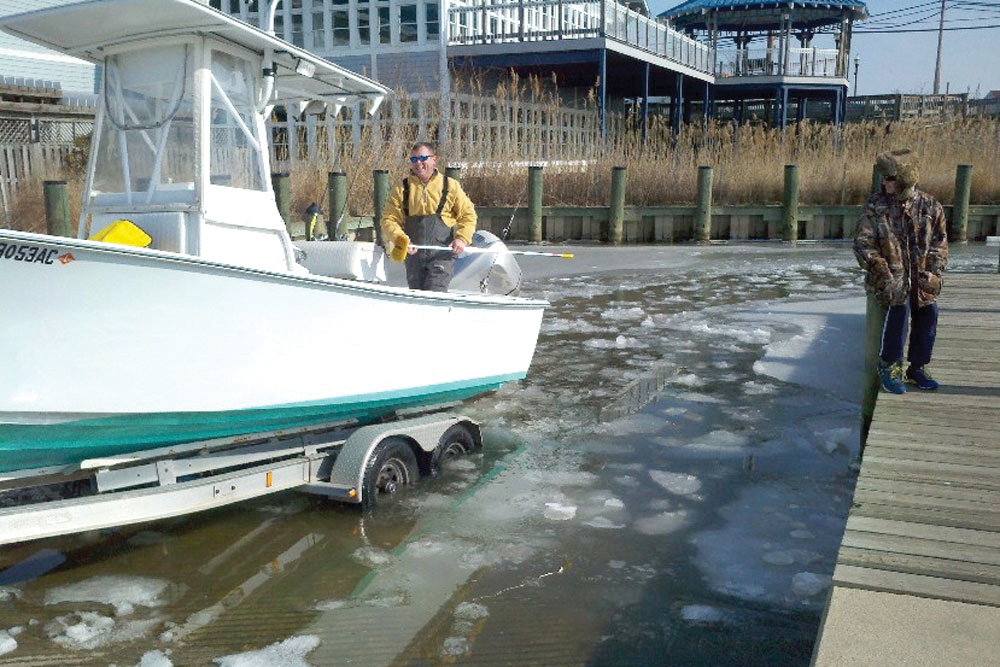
{"x": 35, "y": 446}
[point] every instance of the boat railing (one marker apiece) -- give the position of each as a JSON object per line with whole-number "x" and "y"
{"x": 807, "y": 62}
{"x": 511, "y": 21}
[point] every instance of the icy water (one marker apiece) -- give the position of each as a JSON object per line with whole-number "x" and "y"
{"x": 701, "y": 530}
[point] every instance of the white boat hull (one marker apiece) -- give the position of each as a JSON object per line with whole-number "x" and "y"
{"x": 107, "y": 349}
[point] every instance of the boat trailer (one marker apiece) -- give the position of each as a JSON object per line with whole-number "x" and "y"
{"x": 340, "y": 460}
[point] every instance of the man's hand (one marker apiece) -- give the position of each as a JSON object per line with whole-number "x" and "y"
{"x": 458, "y": 247}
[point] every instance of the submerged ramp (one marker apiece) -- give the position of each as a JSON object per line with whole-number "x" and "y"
{"x": 917, "y": 580}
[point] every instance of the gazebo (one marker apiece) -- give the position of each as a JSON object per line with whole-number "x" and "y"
{"x": 764, "y": 67}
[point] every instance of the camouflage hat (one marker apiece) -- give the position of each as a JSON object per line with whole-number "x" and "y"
{"x": 902, "y": 165}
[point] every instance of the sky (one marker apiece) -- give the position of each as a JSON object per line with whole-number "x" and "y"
{"x": 904, "y": 62}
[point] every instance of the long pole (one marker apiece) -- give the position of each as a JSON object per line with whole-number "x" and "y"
{"x": 937, "y": 66}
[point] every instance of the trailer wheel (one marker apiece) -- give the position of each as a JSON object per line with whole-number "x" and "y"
{"x": 391, "y": 465}
{"x": 456, "y": 442}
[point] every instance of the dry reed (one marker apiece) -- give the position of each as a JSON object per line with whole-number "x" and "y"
{"x": 518, "y": 124}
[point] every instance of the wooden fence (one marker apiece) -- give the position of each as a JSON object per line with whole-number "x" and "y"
{"x": 24, "y": 164}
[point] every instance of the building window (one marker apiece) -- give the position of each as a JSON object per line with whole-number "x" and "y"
{"x": 298, "y": 37}
{"x": 384, "y": 26}
{"x": 433, "y": 21}
{"x": 408, "y": 23}
{"x": 364, "y": 24}
{"x": 318, "y": 31}
{"x": 340, "y": 20}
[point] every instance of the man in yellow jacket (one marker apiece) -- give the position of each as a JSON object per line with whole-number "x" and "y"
{"x": 427, "y": 208}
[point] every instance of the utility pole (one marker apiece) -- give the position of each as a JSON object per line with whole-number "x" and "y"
{"x": 937, "y": 67}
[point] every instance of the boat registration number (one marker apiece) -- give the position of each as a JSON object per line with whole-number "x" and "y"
{"x": 27, "y": 253}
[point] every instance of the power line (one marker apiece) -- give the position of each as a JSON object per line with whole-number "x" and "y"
{"x": 889, "y": 31}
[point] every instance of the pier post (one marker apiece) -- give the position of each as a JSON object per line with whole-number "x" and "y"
{"x": 874, "y": 319}
{"x": 336, "y": 188}
{"x": 876, "y": 180}
{"x": 535, "y": 203}
{"x": 283, "y": 198}
{"x": 616, "y": 212}
{"x": 703, "y": 216}
{"x": 56, "y": 208}
{"x": 381, "y": 178}
{"x": 790, "y": 204}
{"x": 960, "y": 211}
{"x": 453, "y": 172}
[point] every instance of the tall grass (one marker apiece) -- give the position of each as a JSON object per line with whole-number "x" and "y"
{"x": 523, "y": 120}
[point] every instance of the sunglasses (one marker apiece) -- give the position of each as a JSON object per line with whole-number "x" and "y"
{"x": 420, "y": 158}
{"x": 890, "y": 179}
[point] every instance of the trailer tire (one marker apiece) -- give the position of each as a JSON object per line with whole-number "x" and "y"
{"x": 456, "y": 442}
{"x": 392, "y": 464}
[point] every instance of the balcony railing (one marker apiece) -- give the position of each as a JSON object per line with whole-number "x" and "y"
{"x": 770, "y": 62}
{"x": 489, "y": 22}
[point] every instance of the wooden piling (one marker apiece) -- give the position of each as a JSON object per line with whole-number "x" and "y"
{"x": 960, "y": 211}
{"x": 381, "y": 178}
{"x": 616, "y": 212}
{"x": 283, "y": 197}
{"x": 874, "y": 320}
{"x": 336, "y": 188}
{"x": 535, "y": 203}
{"x": 703, "y": 213}
{"x": 56, "y": 208}
{"x": 453, "y": 172}
{"x": 790, "y": 204}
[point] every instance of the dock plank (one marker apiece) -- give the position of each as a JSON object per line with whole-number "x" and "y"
{"x": 925, "y": 518}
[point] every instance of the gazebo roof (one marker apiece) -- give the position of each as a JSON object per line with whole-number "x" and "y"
{"x": 753, "y": 15}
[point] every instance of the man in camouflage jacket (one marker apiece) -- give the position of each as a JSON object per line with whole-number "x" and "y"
{"x": 902, "y": 244}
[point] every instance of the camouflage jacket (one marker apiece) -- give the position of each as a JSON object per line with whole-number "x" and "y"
{"x": 903, "y": 248}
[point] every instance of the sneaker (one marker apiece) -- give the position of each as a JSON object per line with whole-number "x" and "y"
{"x": 892, "y": 377}
{"x": 919, "y": 376}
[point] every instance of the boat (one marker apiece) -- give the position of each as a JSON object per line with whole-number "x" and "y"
{"x": 211, "y": 329}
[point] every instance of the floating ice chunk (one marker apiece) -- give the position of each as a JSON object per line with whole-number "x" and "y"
{"x": 614, "y": 503}
{"x": 752, "y": 388}
{"x": 7, "y": 643}
{"x": 802, "y": 534}
{"x": 424, "y": 548}
{"x": 155, "y": 658}
{"x": 123, "y": 593}
{"x": 662, "y": 523}
{"x": 372, "y": 556}
{"x": 807, "y": 584}
{"x": 616, "y": 564}
{"x": 778, "y": 557}
{"x": 603, "y": 523}
{"x": 687, "y": 380}
{"x": 623, "y": 314}
{"x": 559, "y": 512}
{"x": 626, "y": 480}
{"x": 88, "y": 630}
{"x": 680, "y": 484}
{"x": 8, "y": 593}
{"x": 637, "y": 424}
{"x": 720, "y": 440}
{"x": 702, "y": 613}
{"x": 288, "y": 653}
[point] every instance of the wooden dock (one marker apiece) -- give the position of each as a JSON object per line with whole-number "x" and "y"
{"x": 917, "y": 580}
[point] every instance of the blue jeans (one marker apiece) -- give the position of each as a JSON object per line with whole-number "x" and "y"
{"x": 923, "y": 325}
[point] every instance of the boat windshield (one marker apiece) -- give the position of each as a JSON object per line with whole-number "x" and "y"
{"x": 146, "y": 143}
{"x": 236, "y": 158}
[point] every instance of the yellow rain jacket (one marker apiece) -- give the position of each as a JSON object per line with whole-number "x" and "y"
{"x": 458, "y": 212}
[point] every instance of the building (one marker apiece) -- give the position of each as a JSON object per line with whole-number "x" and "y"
{"x": 24, "y": 64}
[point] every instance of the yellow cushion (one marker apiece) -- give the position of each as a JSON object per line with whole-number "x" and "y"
{"x": 123, "y": 232}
